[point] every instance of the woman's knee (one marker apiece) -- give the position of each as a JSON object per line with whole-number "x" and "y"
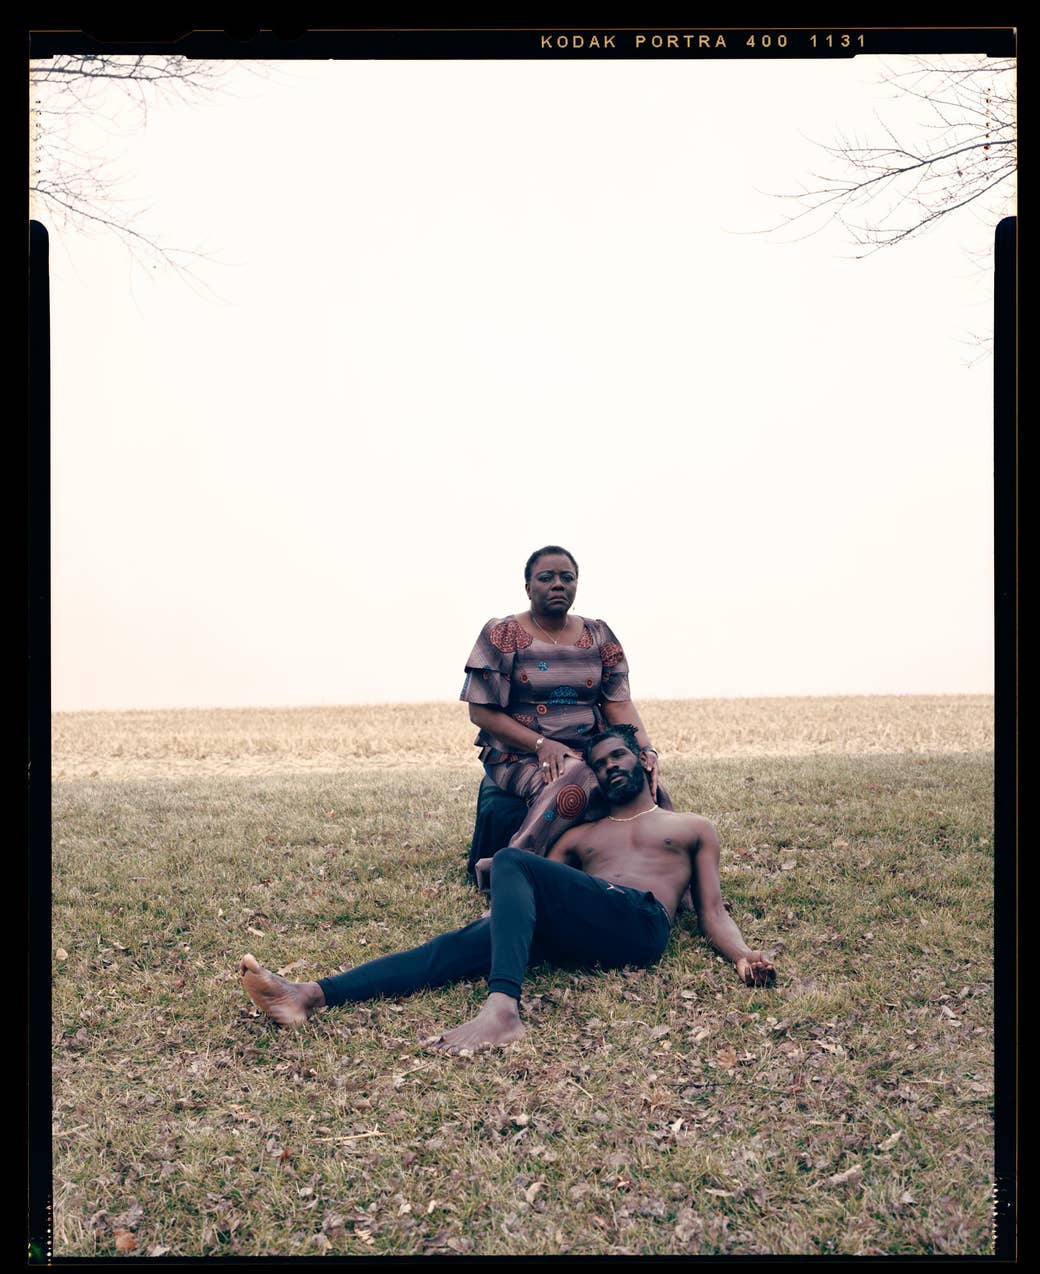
{"x": 570, "y": 793}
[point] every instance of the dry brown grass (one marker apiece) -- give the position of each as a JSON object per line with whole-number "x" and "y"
{"x": 259, "y": 741}
{"x": 671, "y": 1111}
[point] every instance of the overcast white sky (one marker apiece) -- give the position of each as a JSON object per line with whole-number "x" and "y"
{"x": 457, "y": 310}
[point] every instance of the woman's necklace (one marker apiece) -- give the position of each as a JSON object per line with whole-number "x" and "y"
{"x": 555, "y": 640}
{"x": 632, "y": 816}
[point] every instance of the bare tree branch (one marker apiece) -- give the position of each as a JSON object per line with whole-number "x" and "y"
{"x": 77, "y": 184}
{"x": 884, "y": 194}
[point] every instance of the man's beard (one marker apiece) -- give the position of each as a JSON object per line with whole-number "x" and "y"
{"x": 622, "y": 793}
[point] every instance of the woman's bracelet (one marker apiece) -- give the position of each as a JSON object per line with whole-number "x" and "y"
{"x": 539, "y": 741}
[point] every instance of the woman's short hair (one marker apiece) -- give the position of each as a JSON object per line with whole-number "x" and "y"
{"x": 544, "y": 552}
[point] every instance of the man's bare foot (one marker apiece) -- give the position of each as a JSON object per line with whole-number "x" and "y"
{"x": 289, "y": 1003}
{"x": 497, "y": 1023}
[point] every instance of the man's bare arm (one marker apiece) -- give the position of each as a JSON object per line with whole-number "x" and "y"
{"x": 716, "y": 924}
{"x": 565, "y": 850}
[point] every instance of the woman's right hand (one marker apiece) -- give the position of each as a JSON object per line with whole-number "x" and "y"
{"x": 552, "y": 757}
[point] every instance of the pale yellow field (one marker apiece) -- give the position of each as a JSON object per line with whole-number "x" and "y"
{"x": 254, "y": 741}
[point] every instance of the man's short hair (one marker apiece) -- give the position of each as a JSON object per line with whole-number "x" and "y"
{"x": 626, "y": 733}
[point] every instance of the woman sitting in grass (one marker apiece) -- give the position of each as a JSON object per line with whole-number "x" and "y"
{"x": 539, "y": 684}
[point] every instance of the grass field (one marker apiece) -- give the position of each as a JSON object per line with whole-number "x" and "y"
{"x": 663, "y": 1111}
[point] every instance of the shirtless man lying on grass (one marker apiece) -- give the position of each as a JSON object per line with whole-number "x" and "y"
{"x": 606, "y": 895}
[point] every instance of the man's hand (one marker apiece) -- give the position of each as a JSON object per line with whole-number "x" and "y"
{"x": 756, "y": 969}
{"x": 482, "y": 867}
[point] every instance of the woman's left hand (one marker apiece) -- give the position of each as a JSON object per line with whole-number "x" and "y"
{"x": 649, "y": 759}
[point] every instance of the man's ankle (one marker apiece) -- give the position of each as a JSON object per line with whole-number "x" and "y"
{"x": 502, "y": 1004}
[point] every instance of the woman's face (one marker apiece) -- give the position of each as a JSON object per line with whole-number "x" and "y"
{"x": 554, "y": 581}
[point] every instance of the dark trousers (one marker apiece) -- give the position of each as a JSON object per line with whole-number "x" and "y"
{"x": 540, "y": 910}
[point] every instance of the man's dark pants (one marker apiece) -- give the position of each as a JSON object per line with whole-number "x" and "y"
{"x": 541, "y": 910}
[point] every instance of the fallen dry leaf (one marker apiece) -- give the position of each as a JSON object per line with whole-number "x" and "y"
{"x": 333, "y": 1225}
{"x": 125, "y": 1241}
{"x": 889, "y": 1142}
{"x": 532, "y": 1190}
{"x": 850, "y": 1177}
{"x": 257, "y": 933}
{"x": 129, "y": 1219}
{"x": 357, "y": 1136}
{"x": 61, "y": 954}
{"x": 726, "y": 1057}
{"x": 688, "y": 1226}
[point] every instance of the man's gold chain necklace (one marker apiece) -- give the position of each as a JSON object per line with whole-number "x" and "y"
{"x": 632, "y": 816}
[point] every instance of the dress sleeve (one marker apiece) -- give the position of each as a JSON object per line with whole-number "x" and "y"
{"x": 488, "y": 670}
{"x": 615, "y": 666}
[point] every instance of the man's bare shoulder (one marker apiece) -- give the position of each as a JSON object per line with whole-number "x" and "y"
{"x": 691, "y": 827}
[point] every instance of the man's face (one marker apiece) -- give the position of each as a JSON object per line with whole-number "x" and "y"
{"x": 618, "y": 771}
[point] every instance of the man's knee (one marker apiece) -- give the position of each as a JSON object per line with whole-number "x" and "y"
{"x": 510, "y": 857}
{"x": 512, "y": 863}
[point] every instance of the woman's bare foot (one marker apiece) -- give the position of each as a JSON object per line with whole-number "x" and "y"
{"x": 498, "y": 1022}
{"x": 289, "y": 1003}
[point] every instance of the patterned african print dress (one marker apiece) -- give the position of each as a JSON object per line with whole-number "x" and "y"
{"x": 557, "y": 691}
